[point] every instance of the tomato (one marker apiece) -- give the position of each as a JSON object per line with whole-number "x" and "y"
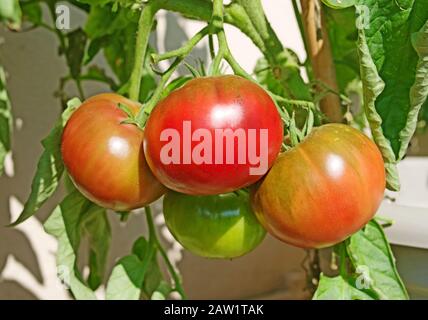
{"x": 323, "y": 190}
{"x": 214, "y": 135}
{"x": 216, "y": 226}
{"x": 104, "y": 157}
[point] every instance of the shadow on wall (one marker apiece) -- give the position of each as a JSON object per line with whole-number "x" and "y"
{"x": 27, "y": 259}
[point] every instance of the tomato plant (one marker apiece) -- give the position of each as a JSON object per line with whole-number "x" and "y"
{"x": 104, "y": 157}
{"x": 323, "y": 190}
{"x": 208, "y": 137}
{"x": 218, "y": 226}
{"x": 211, "y": 137}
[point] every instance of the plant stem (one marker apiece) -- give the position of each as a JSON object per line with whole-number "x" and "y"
{"x": 150, "y": 224}
{"x": 184, "y": 50}
{"x": 80, "y": 89}
{"x": 248, "y": 16}
{"x": 173, "y": 272}
{"x": 145, "y": 25}
{"x": 217, "y": 19}
{"x": 238, "y": 70}
{"x": 211, "y": 46}
{"x": 299, "y": 103}
{"x": 216, "y": 25}
{"x": 154, "y": 241}
{"x": 343, "y": 270}
{"x": 145, "y": 112}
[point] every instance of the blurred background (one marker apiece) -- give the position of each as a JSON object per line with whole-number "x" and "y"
{"x": 274, "y": 270}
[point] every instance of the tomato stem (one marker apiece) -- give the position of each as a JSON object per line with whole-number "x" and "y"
{"x": 155, "y": 243}
{"x": 216, "y": 25}
{"x": 147, "y": 109}
{"x": 343, "y": 269}
{"x": 184, "y": 50}
{"x": 145, "y": 25}
{"x": 80, "y": 89}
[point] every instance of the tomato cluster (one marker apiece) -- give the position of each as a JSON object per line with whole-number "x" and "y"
{"x": 213, "y": 146}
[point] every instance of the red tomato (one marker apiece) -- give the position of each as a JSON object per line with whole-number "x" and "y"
{"x": 212, "y": 136}
{"x": 323, "y": 190}
{"x": 104, "y": 157}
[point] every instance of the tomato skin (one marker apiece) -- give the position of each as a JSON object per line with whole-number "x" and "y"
{"x": 323, "y": 190}
{"x": 225, "y": 102}
{"x": 105, "y": 157}
{"x": 218, "y": 226}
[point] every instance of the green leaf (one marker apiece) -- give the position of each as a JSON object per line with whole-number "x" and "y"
{"x": 162, "y": 291}
{"x": 153, "y": 276}
{"x": 419, "y": 90}
{"x": 97, "y": 2}
{"x": 5, "y": 120}
{"x": 393, "y": 63}
{"x": 65, "y": 224}
{"x": 266, "y": 78}
{"x": 373, "y": 86}
{"x": 424, "y": 113}
{"x": 370, "y": 252}
{"x": 283, "y": 63}
{"x": 98, "y": 231}
{"x": 338, "y": 288}
{"x": 49, "y": 168}
{"x": 75, "y": 52}
{"x": 140, "y": 248}
{"x": 339, "y": 4}
{"x": 32, "y": 12}
{"x": 115, "y": 33}
{"x": 136, "y": 275}
{"x": 309, "y": 123}
{"x": 10, "y": 13}
{"x": 95, "y": 73}
{"x": 126, "y": 279}
{"x": 102, "y": 21}
{"x": 120, "y": 53}
{"x": 343, "y": 36}
{"x": 94, "y": 47}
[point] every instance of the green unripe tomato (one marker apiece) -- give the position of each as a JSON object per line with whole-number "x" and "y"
{"x": 218, "y": 226}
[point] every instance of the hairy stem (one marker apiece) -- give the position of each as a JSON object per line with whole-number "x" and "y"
{"x": 145, "y": 25}
{"x": 145, "y": 112}
{"x": 249, "y": 17}
{"x": 184, "y": 50}
{"x": 154, "y": 241}
{"x": 216, "y": 25}
{"x": 80, "y": 89}
{"x": 342, "y": 259}
{"x": 177, "y": 279}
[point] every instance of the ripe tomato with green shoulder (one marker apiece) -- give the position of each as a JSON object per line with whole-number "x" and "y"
{"x": 213, "y": 135}
{"x": 104, "y": 156}
{"x": 323, "y": 190}
{"x": 217, "y": 226}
